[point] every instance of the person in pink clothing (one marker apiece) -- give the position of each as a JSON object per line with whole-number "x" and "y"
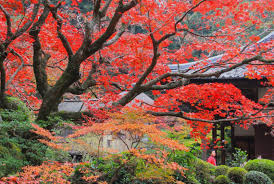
{"x": 212, "y": 158}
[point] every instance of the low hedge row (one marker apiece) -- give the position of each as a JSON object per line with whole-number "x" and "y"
{"x": 262, "y": 165}
{"x": 258, "y": 171}
{"x": 256, "y": 177}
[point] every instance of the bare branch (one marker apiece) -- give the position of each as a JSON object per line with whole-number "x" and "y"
{"x": 40, "y": 58}
{"x": 171, "y": 85}
{"x": 29, "y": 23}
{"x": 182, "y": 115}
{"x": 204, "y": 75}
{"x": 217, "y": 35}
{"x": 105, "y": 8}
{"x": 35, "y": 30}
{"x": 116, "y": 37}
{"x": 59, "y": 20}
{"x": 136, "y": 90}
{"x": 186, "y": 13}
{"x": 18, "y": 69}
{"x": 7, "y": 15}
{"x": 98, "y": 44}
{"x": 166, "y": 36}
{"x": 89, "y": 82}
{"x": 97, "y": 8}
{"x": 129, "y": 5}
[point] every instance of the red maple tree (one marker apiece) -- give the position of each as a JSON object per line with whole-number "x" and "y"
{"x": 51, "y": 49}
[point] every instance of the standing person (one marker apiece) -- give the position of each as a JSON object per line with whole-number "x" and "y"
{"x": 212, "y": 158}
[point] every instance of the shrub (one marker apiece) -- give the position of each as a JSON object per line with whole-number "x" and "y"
{"x": 203, "y": 171}
{"x": 57, "y": 155}
{"x": 221, "y": 170}
{"x": 191, "y": 180}
{"x": 256, "y": 177}
{"x": 237, "y": 174}
{"x": 77, "y": 177}
{"x": 240, "y": 157}
{"x": 23, "y": 113}
{"x": 18, "y": 146}
{"x": 186, "y": 160}
{"x": 115, "y": 169}
{"x": 262, "y": 165}
{"x": 222, "y": 179}
{"x": 153, "y": 174}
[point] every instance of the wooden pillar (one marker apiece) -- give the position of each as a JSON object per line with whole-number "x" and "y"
{"x": 232, "y": 137}
{"x": 204, "y": 150}
{"x": 223, "y": 144}
{"x": 214, "y": 137}
{"x": 214, "y": 133}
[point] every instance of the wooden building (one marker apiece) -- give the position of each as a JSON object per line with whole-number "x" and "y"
{"x": 100, "y": 144}
{"x": 257, "y": 140}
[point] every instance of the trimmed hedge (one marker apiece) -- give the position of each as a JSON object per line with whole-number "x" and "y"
{"x": 204, "y": 171}
{"x": 221, "y": 170}
{"x": 262, "y": 165}
{"x": 237, "y": 174}
{"x": 256, "y": 177}
{"x": 192, "y": 180}
{"x": 222, "y": 179}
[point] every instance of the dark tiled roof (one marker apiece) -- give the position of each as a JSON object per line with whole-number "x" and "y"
{"x": 71, "y": 106}
{"x": 76, "y": 105}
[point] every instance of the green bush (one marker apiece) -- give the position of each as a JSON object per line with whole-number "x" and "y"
{"x": 222, "y": 179}
{"x": 57, "y": 155}
{"x": 153, "y": 174}
{"x": 18, "y": 145}
{"x": 114, "y": 167}
{"x": 256, "y": 177}
{"x": 204, "y": 171}
{"x": 191, "y": 180}
{"x": 236, "y": 174}
{"x": 22, "y": 110}
{"x": 10, "y": 165}
{"x": 221, "y": 170}
{"x": 240, "y": 157}
{"x": 186, "y": 160}
{"x": 261, "y": 165}
{"x": 77, "y": 177}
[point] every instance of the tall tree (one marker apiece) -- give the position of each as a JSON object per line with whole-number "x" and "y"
{"x": 12, "y": 31}
{"x": 124, "y": 46}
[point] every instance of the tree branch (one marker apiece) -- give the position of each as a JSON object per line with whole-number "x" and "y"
{"x": 116, "y": 37}
{"x": 40, "y": 58}
{"x": 7, "y": 15}
{"x": 186, "y": 13}
{"x": 96, "y": 9}
{"x": 171, "y": 85}
{"x": 18, "y": 69}
{"x": 59, "y": 20}
{"x": 205, "y": 75}
{"x": 105, "y": 8}
{"x": 99, "y": 43}
{"x": 182, "y": 115}
{"x": 166, "y": 36}
{"x": 29, "y": 23}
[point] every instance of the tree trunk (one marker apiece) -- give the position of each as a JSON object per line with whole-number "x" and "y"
{"x": 223, "y": 144}
{"x": 3, "y": 102}
{"x": 54, "y": 94}
{"x": 214, "y": 137}
{"x": 232, "y": 136}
